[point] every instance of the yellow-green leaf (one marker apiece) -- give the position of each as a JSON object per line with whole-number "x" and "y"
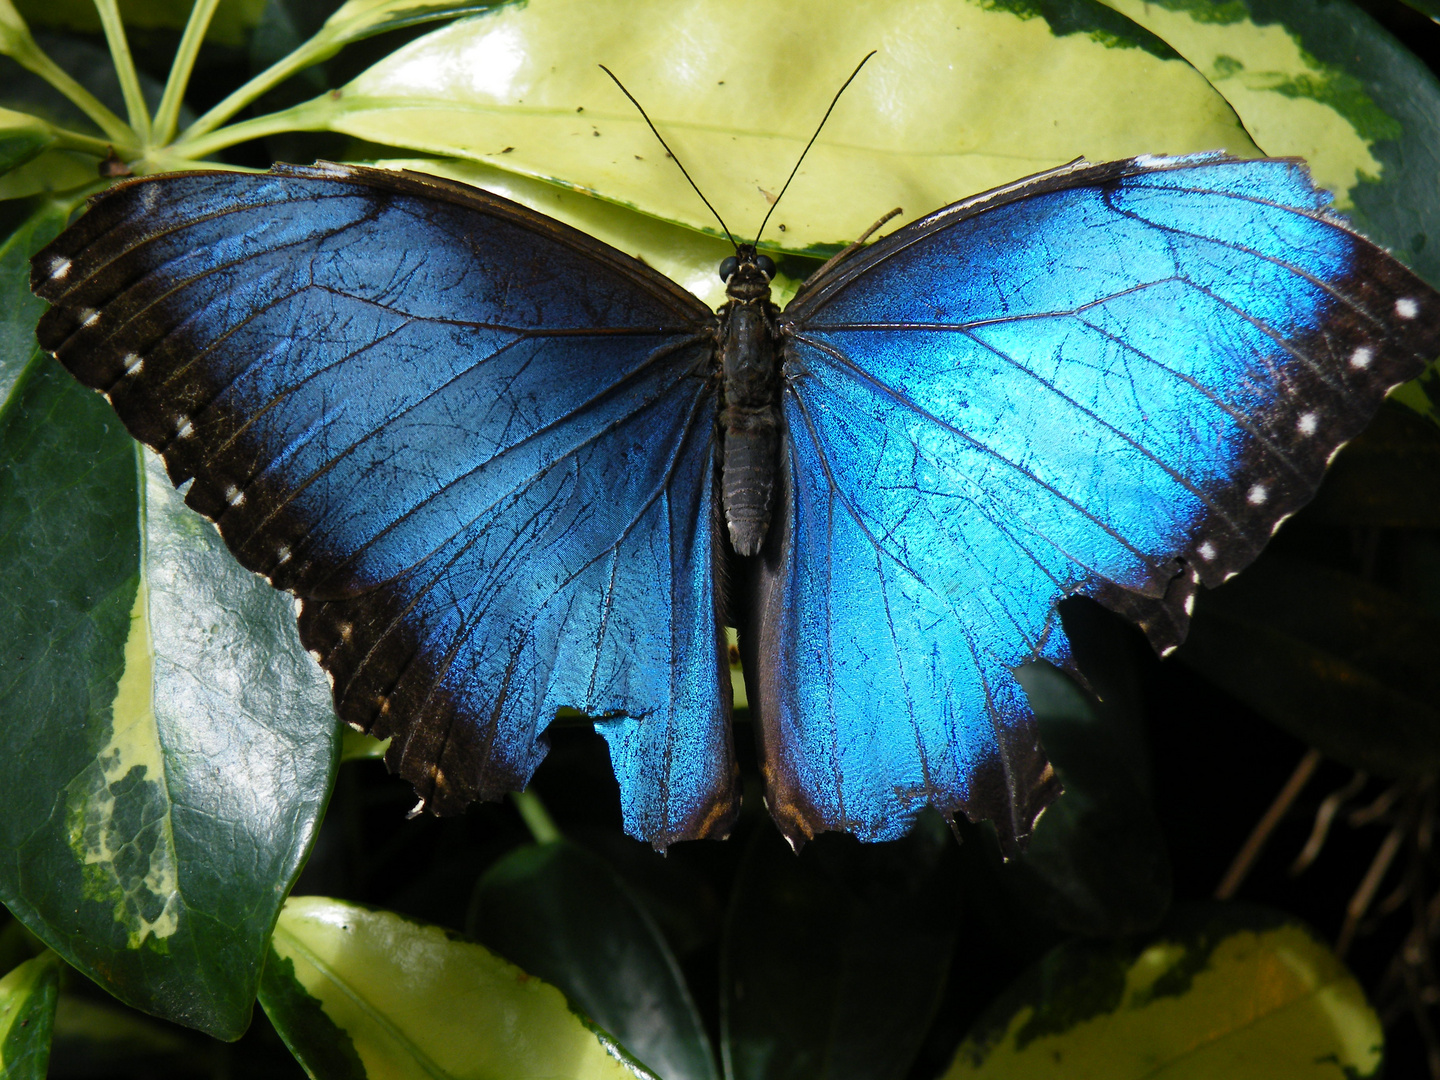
{"x": 961, "y": 96}
{"x": 1291, "y": 104}
{"x": 1238, "y": 993}
{"x": 362, "y": 993}
{"x": 358, "y": 19}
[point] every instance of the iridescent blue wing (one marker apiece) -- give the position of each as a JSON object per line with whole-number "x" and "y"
{"x": 473, "y": 441}
{"x": 1108, "y": 380}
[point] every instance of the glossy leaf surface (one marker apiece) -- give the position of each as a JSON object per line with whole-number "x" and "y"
{"x": 562, "y": 914}
{"x": 1325, "y": 82}
{"x": 1235, "y": 992}
{"x": 151, "y": 845}
{"x": 182, "y": 805}
{"x": 27, "y": 1017}
{"x": 362, "y": 993}
{"x": 833, "y": 961}
{"x": 935, "y": 115}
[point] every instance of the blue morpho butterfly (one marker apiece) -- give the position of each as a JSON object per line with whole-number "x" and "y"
{"x": 506, "y": 468}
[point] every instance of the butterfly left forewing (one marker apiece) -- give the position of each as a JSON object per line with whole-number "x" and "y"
{"x": 1111, "y": 380}
{"x": 475, "y": 444}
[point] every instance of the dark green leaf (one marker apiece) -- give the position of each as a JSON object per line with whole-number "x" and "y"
{"x": 316, "y": 1041}
{"x": 27, "y": 1015}
{"x": 1389, "y": 476}
{"x": 21, "y": 309}
{"x": 1221, "y": 991}
{"x": 833, "y": 960}
{"x": 562, "y": 914}
{"x": 1347, "y": 666}
{"x": 169, "y": 745}
{"x": 1096, "y": 863}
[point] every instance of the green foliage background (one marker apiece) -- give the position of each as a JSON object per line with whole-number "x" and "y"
{"x": 173, "y": 770}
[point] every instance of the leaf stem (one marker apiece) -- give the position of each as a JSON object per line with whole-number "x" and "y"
{"x": 168, "y": 114}
{"x": 310, "y": 52}
{"x": 65, "y": 139}
{"x": 109, "y": 11}
{"x": 21, "y": 48}
{"x": 537, "y": 819}
{"x": 293, "y": 119}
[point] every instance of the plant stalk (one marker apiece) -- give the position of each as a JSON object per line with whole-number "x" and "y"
{"x": 168, "y": 114}
{"x": 110, "y": 20}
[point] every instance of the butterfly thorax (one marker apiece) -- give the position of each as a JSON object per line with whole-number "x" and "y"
{"x": 750, "y": 414}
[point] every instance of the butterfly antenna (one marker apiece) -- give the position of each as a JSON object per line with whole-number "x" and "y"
{"x": 811, "y": 143}
{"x": 673, "y": 158}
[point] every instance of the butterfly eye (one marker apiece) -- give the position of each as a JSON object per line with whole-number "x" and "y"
{"x": 765, "y": 265}
{"x": 728, "y": 267}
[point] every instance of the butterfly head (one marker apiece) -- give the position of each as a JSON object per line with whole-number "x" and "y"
{"x": 747, "y": 274}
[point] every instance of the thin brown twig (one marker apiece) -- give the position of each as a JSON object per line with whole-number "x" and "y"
{"x": 1324, "y": 818}
{"x": 1369, "y": 885}
{"x": 1379, "y": 808}
{"x": 1255, "y": 843}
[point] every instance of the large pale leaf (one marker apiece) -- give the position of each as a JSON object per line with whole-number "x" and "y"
{"x": 364, "y": 18}
{"x": 362, "y": 993}
{"x": 1238, "y": 993}
{"x": 1325, "y": 82}
{"x": 961, "y": 96}
{"x": 561, "y": 913}
{"x": 27, "y": 1016}
{"x": 169, "y": 746}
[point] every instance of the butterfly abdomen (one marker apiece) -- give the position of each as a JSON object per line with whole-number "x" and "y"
{"x": 750, "y": 419}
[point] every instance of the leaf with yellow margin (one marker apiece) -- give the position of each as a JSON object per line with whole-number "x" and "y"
{"x": 1327, "y": 83}
{"x": 362, "y": 993}
{"x": 1222, "y": 991}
